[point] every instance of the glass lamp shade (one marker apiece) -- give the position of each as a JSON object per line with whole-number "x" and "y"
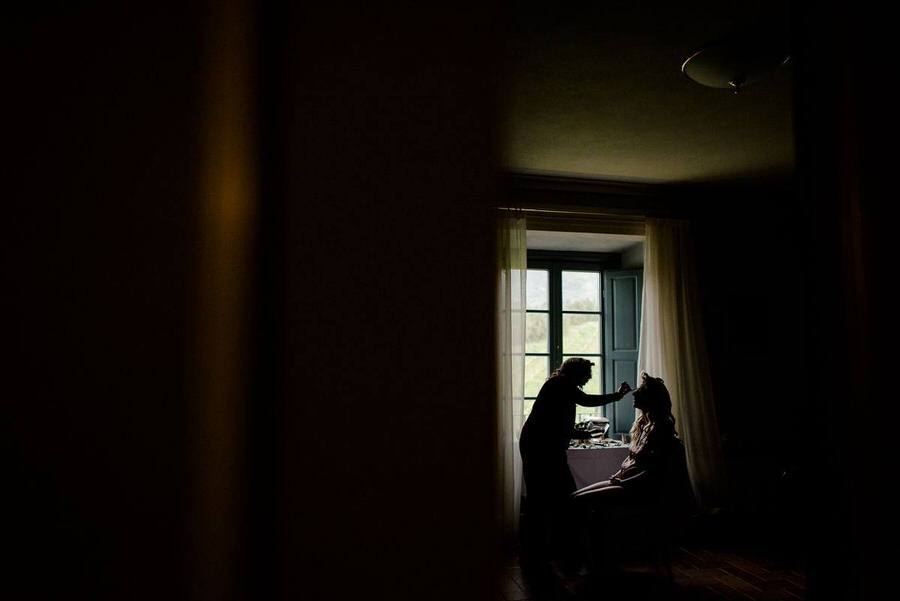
{"x": 734, "y": 64}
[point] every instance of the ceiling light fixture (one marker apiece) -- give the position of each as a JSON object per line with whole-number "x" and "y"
{"x": 734, "y": 64}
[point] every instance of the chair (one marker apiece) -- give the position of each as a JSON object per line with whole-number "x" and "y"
{"x": 650, "y": 528}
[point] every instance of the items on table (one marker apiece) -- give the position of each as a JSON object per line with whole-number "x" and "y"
{"x": 596, "y": 426}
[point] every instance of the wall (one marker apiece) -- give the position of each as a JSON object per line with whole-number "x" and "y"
{"x": 157, "y": 447}
{"x": 847, "y": 127}
{"x": 127, "y": 253}
{"x": 385, "y": 171}
{"x": 633, "y": 257}
{"x": 98, "y": 256}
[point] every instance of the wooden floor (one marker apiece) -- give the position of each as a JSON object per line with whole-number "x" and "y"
{"x": 698, "y": 574}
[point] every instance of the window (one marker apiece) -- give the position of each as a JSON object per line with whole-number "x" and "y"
{"x": 570, "y": 314}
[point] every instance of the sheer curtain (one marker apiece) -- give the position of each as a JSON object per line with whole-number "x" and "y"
{"x": 512, "y": 267}
{"x": 673, "y": 347}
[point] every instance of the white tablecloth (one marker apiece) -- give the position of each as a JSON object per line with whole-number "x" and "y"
{"x": 595, "y": 465}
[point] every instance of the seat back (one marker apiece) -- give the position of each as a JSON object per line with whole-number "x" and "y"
{"x": 665, "y": 512}
{"x": 677, "y": 500}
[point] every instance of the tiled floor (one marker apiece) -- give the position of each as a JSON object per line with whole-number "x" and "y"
{"x": 699, "y": 574}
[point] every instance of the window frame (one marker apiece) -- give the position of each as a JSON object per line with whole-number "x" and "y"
{"x": 555, "y": 262}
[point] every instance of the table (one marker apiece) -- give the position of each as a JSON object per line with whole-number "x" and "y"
{"x": 595, "y": 465}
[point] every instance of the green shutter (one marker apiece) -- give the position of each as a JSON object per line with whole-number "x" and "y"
{"x": 621, "y": 335}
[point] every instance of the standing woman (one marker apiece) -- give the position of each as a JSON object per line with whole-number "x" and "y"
{"x": 544, "y": 443}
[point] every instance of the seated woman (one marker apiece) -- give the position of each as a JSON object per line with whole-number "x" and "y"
{"x": 654, "y": 441}
{"x": 654, "y": 475}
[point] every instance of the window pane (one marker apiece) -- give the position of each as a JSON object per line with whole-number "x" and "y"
{"x": 536, "y": 372}
{"x": 537, "y": 338}
{"x": 581, "y": 334}
{"x": 580, "y": 291}
{"x": 595, "y": 384}
{"x": 536, "y": 289}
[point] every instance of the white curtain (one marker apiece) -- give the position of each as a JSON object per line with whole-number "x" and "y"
{"x": 512, "y": 267}
{"x": 673, "y": 348}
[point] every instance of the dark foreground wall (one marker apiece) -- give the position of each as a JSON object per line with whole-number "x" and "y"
{"x": 98, "y": 250}
{"x": 386, "y": 166}
{"x": 846, "y": 129}
{"x": 249, "y": 295}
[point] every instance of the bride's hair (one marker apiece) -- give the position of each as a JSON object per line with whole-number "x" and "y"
{"x": 657, "y": 413}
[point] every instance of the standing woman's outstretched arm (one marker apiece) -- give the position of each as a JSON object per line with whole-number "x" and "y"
{"x": 597, "y": 400}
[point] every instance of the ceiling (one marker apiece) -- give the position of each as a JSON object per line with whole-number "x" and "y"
{"x": 595, "y": 89}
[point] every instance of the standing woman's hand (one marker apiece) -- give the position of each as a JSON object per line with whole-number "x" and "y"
{"x": 624, "y": 388}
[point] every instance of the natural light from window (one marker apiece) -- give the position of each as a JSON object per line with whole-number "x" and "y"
{"x": 564, "y": 319}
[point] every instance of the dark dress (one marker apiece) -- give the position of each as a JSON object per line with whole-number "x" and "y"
{"x": 658, "y": 461}
{"x": 544, "y": 442}
{"x": 646, "y": 500}
{"x": 654, "y": 474}
{"x": 648, "y": 458}
{"x": 545, "y": 439}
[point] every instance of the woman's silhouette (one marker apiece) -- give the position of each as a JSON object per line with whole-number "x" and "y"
{"x": 543, "y": 443}
{"x": 654, "y": 475}
{"x": 653, "y": 442}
